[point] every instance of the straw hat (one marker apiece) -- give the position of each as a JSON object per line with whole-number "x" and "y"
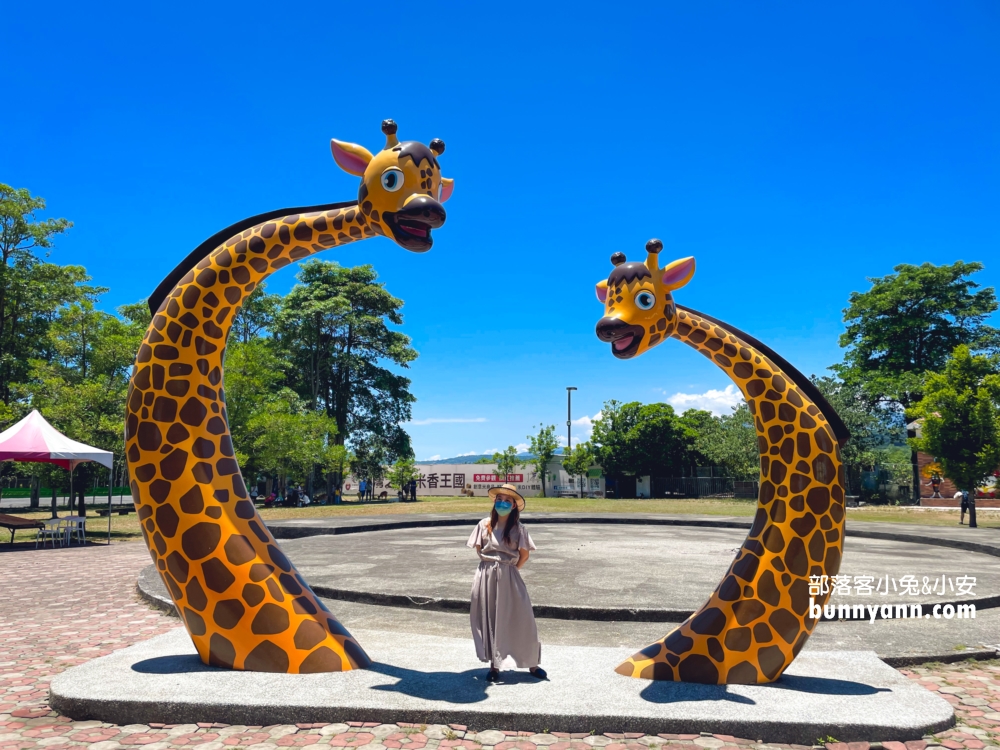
{"x": 508, "y": 489}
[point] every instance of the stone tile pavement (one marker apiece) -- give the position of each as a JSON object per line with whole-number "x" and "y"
{"x": 59, "y": 608}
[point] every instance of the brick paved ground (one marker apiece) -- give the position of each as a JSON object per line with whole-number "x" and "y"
{"x": 59, "y": 608}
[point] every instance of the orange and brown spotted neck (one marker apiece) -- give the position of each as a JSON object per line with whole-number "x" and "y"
{"x": 243, "y": 602}
{"x": 757, "y": 620}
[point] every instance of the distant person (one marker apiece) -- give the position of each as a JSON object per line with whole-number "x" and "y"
{"x": 292, "y": 499}
{"x": 362, "y": 490}
{"x": 253, "y": 494}
{"x": 413, "y": 490}
{"x": 304, "y": 500}
{"x": 963, "y": 498}
{"x": 503, "y": 625}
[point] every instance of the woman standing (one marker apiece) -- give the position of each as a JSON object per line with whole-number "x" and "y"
{"x": 503, "y": 624}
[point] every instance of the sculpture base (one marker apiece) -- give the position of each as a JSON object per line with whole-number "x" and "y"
{"x": 850, "y": 695}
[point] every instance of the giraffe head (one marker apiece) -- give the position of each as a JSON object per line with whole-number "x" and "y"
{"x": 401, "y": 187}
{"x": 639, "y": 310}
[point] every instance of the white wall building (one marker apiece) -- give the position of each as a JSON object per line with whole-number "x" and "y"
{"x": 452, "y": 479}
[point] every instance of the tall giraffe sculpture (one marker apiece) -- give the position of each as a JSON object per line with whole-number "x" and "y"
{"x": 244, "y": 604}
{"x": 757, "y": 619}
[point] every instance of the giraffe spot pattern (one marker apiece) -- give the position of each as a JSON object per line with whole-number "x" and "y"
{"x": 756, "y": 621}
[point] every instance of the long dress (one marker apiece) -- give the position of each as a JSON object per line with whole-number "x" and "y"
{"x": 503, "y": 624}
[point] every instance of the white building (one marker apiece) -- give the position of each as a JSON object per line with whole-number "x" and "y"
{"x": 477, "y": 479}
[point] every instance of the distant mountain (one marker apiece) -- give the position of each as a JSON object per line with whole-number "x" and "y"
{"x": 474, "y": 459}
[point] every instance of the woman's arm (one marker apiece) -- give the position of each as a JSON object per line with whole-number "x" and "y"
{"x": 522, "y": 558}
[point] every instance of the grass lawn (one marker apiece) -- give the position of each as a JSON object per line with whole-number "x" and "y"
{"x": 127, "y": 527}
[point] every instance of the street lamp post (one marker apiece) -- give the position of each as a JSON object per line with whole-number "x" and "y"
{"x": 569, "y": 416}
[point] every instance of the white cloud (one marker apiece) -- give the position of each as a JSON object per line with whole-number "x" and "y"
{"x": 448, "y": 420}
{"x": 432, "y": 458}
{"x": 522, "y": 447}
{"x": 469, "y": 453}
{"x": 716, "y": 401}
{"x": 585, "y": 422}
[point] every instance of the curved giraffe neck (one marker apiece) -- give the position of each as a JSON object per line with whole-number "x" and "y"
{"x": 243, "y": 602}
{"x": 758, "y": 619}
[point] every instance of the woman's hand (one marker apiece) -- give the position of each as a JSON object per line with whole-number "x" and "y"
{"x": 522, "y": 558}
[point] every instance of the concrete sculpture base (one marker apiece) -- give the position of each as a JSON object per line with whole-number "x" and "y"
{"x": 850, "y": 695}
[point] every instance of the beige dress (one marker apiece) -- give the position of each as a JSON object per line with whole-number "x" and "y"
{"x": 503, "y": 624}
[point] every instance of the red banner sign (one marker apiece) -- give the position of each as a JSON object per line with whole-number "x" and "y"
{"x": 496, "y": 478}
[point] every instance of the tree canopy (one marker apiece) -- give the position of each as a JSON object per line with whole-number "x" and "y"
{"x": 577, "y": 462}
{"x": 961, "y": 418}
{"x": 506, "y": 461}
{"x": 333, "y": 330}
{"x": 645, "y": 439}
{"x": 730, "y": 441}
{"x": 909, "y": 323}
{"x": 542, "y": 447}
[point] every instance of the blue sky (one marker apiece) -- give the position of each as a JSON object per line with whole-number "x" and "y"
{"x": 793, "y": 148}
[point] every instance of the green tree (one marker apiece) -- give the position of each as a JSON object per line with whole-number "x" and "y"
{"x": 873, "y": 426}
{"x": 961, "y": 418}
{"x": 484, "y": 460}
{"x": 254, "y": 377}
{"x": 369, "y": 458}
{"x": 542, "y": 447}
{"x": 506, "y": 462}
{"x": 256, "y": 316}
{"x": 30, "y": 289}
{"x": 577, "y": 462}
{"x": 644, "y": 439}
{"x": 290, "y": 439}
{"x": 334, "y": 330}
{"x": 401, "y": 473}
{"x": 730, "y": 441}
{"x": 81, "y": 388}
{"x": 907, "y": 325}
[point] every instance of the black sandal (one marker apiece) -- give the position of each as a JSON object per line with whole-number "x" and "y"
{"x": 539, "y": 673}
{"x": 493, "y": 675}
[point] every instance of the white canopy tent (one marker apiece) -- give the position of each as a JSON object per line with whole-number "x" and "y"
{"x": 35, "y": 440}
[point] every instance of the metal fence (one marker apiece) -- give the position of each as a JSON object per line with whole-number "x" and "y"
{"x": 690, "y": 487}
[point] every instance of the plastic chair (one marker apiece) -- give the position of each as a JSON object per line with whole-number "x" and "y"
{"x": 74, "y": 527}
{"x": 53, "y": 530}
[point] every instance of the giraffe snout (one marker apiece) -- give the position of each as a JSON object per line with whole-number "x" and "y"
{"x": 424, "y": 209}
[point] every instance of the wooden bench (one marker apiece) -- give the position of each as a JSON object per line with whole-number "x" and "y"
{"x": 15, "y": 523}
{"x": 122, "y": 511}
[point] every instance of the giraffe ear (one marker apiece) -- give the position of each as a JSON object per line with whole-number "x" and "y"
{"x": 602, "y": 291}
{"x": 447, "y": 188}
{"x": 350, "y": 157}
{"x": 678, "y": 273}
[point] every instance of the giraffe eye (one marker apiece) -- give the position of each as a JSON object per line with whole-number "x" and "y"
{"x": 645, "y": 300}
{"x": 392, "y": 179}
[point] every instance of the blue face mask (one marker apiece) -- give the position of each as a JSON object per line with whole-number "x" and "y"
{"x": 503, "y": 507}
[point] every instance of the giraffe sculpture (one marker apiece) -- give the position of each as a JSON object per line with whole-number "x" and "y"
{"x": 244, "y": 604}
{"x": 758, "y": 618}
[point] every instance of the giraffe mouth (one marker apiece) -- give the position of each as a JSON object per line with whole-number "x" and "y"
{"x": 411, "y": 227}
{"x": 624, "y": 338}
{"x": 626, "y": 346}
{"x": 416, "y": 228}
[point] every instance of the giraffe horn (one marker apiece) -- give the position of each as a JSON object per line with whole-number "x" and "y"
{"x": 389, "y": 127}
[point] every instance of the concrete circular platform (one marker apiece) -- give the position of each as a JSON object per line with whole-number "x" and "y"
{"x": 595, "y": 571}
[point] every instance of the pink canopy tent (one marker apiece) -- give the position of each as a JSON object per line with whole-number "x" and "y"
{"x": 34, "y": 439}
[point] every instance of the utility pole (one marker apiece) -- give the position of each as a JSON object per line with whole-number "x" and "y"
{"x": 569, "y": 416}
